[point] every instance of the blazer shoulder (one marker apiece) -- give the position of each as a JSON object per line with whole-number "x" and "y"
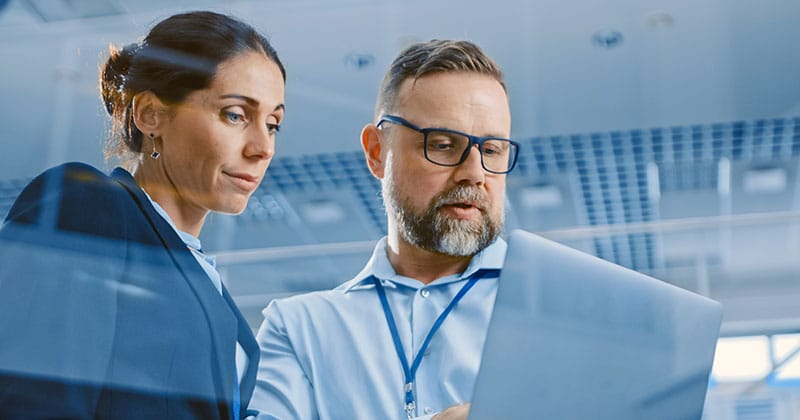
{"x": 73, "y": 196}
{"x": 77, "y": 177}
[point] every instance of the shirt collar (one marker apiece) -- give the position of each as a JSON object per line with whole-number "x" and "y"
{"x": 491, "y": 257}
{"x": 192, "y": 242}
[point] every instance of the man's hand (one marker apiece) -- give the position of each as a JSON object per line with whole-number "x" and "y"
{"x": 456, "y": 412}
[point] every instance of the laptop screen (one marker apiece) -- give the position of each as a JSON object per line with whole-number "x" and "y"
{"x": 576, "y": 337}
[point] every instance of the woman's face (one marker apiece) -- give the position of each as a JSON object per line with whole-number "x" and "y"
{"x": 217, "y": 144}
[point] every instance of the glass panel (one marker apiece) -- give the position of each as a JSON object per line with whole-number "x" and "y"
{"x": 741, "y": 359}
{"x": 783, "y": 346}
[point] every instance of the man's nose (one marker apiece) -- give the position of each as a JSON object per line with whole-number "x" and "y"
{"x": 471, "y": 169}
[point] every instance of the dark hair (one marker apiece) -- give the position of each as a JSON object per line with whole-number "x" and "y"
{"x": 435, "y": 56}
{"x": 180, "y": 55}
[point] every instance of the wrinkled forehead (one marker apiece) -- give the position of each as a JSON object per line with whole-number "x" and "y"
{"x": 469, "y": 102}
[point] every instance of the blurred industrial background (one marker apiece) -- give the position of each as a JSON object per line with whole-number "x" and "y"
{"x": 663, "y": 136}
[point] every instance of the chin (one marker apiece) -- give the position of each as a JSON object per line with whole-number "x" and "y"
{"x": 232, "y": 207}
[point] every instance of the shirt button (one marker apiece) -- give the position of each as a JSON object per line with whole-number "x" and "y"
{"x": 428, "y": 410}
{"x": 425, "y": 293}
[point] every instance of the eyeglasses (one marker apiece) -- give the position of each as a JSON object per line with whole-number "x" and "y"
{"x": 447, "y": 147}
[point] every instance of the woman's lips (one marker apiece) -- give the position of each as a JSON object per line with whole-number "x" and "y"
{"x": 243, "y": 181}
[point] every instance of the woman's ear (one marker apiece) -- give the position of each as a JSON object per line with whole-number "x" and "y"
{"x": 149, "y": 113}
{"x": 374, "y": 151}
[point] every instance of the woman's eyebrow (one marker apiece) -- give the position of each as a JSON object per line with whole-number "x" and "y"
{"x": 249, "y": 100}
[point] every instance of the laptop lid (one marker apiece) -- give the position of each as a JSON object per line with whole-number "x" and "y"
{"x": 573, "y": 336}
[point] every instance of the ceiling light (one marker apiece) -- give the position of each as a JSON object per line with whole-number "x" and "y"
{"x": 607, "y": 39}
{"x": 659, "y": 19}
{"x": 359, "y": 61}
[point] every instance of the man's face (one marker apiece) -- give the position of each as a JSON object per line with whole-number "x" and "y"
{"x": 450, "y": 210}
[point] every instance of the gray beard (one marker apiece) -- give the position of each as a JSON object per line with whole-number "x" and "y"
{"x": 434, "y": 231}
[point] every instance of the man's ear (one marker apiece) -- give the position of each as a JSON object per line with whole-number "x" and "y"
{"x": 149, "y": 113}
{"x": 374, "y": 151}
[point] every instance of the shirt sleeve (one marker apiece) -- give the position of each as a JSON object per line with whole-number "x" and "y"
{"x": 283, "y": 390}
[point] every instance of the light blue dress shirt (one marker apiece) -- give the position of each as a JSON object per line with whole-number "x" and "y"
{"x": 330, "y": 355}
{"x": 192, "y": 242}
{"x": 209, "y": 265}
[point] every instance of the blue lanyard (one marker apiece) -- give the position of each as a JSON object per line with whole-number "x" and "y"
{"x": 236, "y": 397}
{"x": 411, "y": 372}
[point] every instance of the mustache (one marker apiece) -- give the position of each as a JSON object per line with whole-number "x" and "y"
{"x": 462, "y": 194}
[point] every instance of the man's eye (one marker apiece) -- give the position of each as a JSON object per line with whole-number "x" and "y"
{"x": 440, "y": 142}
{"x": 492, "y": 148}
{"x": 440, "y": 145}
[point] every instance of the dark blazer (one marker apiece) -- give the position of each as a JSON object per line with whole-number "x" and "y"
{"x": 105, "y": 313}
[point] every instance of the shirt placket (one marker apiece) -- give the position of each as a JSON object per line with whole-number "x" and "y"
{"x": 425, "y": 309}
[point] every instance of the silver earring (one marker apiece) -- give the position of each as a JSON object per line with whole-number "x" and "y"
{"x": 155, "y": 153}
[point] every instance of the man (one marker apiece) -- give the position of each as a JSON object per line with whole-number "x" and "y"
{"x": 403, "y": 339}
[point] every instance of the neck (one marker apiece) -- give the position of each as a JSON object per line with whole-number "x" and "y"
{"x": 419, "y": 264}
{"x": 186, "y": 217}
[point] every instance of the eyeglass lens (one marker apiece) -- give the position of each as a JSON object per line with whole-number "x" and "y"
{"x": 449, "y": 149}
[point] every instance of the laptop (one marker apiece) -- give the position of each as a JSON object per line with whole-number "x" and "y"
{"x": 575, "y": 337}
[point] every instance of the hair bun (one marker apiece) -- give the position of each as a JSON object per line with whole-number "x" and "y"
{"x": 113, "y": 75}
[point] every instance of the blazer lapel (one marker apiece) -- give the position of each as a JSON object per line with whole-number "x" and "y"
{"x": 250, "y": 347}
{"x": 221, "y": 320}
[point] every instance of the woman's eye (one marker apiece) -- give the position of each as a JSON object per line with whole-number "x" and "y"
{"x": 273, "y": 128}
{"x": 234, "y": 117}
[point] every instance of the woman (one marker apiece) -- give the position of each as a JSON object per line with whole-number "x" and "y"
{"x": 108, "y": 308}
